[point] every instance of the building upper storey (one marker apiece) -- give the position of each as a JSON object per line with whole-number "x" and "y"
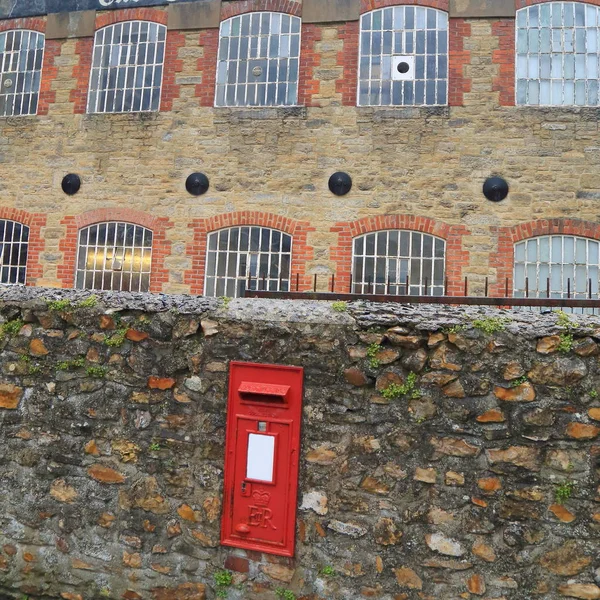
{"x": 267, "y": 53}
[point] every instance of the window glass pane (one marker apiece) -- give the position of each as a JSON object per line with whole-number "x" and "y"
{"x": 21, "y": 55}
{"x": 389, "y": 257}
{"x": 127, "y": 67}
{"x": 567, "y": 263}
{"x": 13, "y": 252}
{"x": 114, "y": 256}
{"x": 247, "y": 257}
{"x": 417, "y": 37}
{"x": 557, "y": 62}
{"x": 245, "y": 44}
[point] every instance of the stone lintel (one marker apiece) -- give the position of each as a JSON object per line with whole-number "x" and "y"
{"x": 73, "y": 24}
{"x": 330, "y": 11}
{"x": 194, "y": 15}
{"x": 472, "y": 9}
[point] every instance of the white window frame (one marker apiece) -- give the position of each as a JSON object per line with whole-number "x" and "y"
{"x": 99, "y": 259}
{"x": 393, "y": 280}
{"x": 14, "y": 76}
{"x": 585, "y": 265}
{"x": 247, "y": 87}
{"x": 11, "y": 248}
{"x": 115, "y": 87}
{"x": 441, "y": 57}
{"x": 575, "y": 90}
{"x": 238, "y": 274}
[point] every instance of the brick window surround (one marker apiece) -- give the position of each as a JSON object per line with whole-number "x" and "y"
{"x": 301, "y": 251}
{"x": 36, "y": 243}
{"x": 161, "y": 247}
{"x": 456, "y": 256}
{"x": 240, "y": 7}
{"x": 84, "y": 49}
{"x": 458, "y": 56}
{"x": 503, "y": 259}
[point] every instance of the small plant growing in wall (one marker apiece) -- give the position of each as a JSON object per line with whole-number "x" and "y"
{"x": 593, "y": 394}
{"x": 491, "y": 325}
{"x": 372, "y": 351}
{"x": 223, "y": 580}
{"x": 117, "y": 339}
{"x": 564, "y": 491}
{"x": 59, "y": 305}
{"x": 155, "y": 447}
{"x": 96, "y": 372}
{"x": 327, "y": 571}
{"x": 285, "y": 594}
{"x": 408, "y": 389}
{"x": 89, "y": 302}
{"x": 566, "y": 342}
{"x": 563, "y": 320}
{"x": 11, "y": 328}
{"x": 225, "y": 300}
{"x": 339, "y": 306}
{"x": 519, "y": 381}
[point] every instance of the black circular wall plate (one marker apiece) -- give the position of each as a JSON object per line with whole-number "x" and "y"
{"x": 495, "y": 189}
{"x": 340, "y": 183}
{"x": 71, "y": 184}
{"x": 197, "y": 184}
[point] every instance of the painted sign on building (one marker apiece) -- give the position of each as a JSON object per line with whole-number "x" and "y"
{"x": 10, "y": 9}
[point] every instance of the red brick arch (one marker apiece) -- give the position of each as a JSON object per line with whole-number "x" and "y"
{"x": 109, "y": 17}
{"x": 301, "y": 251}
{"x": 36, "y": 244}
{"x": 368, "y": 5}
{"x": 456, "y": 256}
{"x": 240, "y": 7}
{"x": 161, "y": 247}
{"x": 503, "y": 259}
{"x": 32, "y": 23}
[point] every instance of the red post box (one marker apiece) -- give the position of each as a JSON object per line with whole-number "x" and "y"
{"x": 261, "y": 457}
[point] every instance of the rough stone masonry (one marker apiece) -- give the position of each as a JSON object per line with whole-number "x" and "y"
{"x": 447, "y": 453}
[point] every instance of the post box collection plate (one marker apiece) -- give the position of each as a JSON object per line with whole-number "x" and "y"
{"x": 262, "y": 447}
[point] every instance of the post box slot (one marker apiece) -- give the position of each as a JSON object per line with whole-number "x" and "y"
{"x": 263, "y": 392}
{"x": 261, "y": 457}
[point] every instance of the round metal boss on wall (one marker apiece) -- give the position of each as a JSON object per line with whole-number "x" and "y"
{"x": 340, "y": 183}
{"x": 495, "y": 189}
{"x": 197, "y": 184}
{"x": 71, "y": 184}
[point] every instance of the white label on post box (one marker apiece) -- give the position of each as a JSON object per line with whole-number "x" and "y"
{"x": 261, "y": 457}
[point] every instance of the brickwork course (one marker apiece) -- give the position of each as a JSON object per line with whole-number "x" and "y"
{"x": 409, "y": 165}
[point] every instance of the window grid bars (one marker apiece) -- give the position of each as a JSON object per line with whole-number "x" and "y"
{"x": 389, "y": 270}
{"x": 531, "y": 276}
{"x": 127, "y": 68}
{"x": 238, "y": 257}
{"x": 375, "y": 87}
{"x": 114, "y": 256}
{"x": 14, "y": 244}
{"x": 21, "y": 60}
{"x": 277, "y": 85}
{"x": 564, "y": 68}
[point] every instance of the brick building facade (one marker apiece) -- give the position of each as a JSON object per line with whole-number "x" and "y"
{"x": 414, "y": 168}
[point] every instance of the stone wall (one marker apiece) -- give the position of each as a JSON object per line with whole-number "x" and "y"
{"x": 446, "y": 452}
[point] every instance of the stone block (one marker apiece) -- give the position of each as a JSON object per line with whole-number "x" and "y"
{"x": 317, "y": 11}
{"x": 194, "y": 15}
{"x": 71, "y": 25}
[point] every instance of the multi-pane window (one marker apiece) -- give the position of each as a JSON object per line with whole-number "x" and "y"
{"x": 561, "y": 264}
{"x": 127, "y": 68}
{"x": 14, "y": 240}
{"x": 403, "y": 57}
{"x": 558, "y": 50}
{"x": 21, "y": 56}
{"x": 384, "y": 262}
{"x": 259, "y": 55}
{"x": 114, "y": 256}
{"x": 247, "y": 258}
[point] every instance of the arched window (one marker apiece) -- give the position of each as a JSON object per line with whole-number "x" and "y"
{"x": 558, "y": 47}
{"x": 259, "y": 55}
{"x": 561, "y": 263}
{"x": 383, "y": 261}
{"x": 14, "y": 241}
{"x": 240, "y": 256}
{"x": 21, "y": 56}
{"x": 127, "y": 68}
{"x": 114, "y": 256}
{"x": 403, "y": 57}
